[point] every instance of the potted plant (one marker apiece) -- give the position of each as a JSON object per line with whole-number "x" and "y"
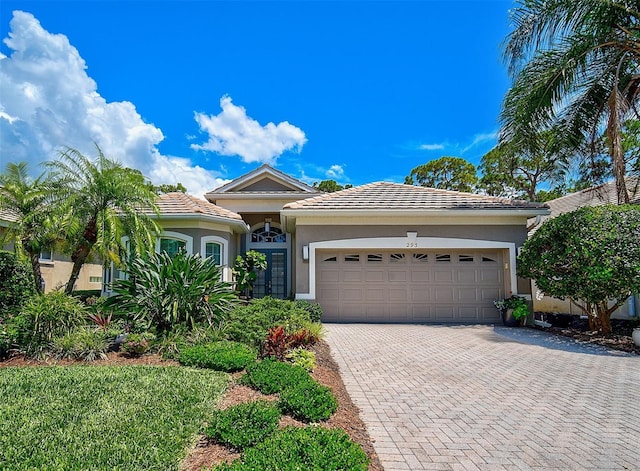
{"x": 635, "y": 335}
{"x": 513, "y": 310}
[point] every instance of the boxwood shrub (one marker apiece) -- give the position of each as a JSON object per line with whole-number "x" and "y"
{"x": 308, "y": 448}
{"x": 270, "y": 376}
{"x": 308, "y": 402}
{"x": 245, "y": 424}
{"x": 221, "y": 356}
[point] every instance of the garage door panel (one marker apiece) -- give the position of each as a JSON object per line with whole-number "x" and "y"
{"x": 373, "y": 276}
{"x": 352, "y": 275}
{"x": 394, "y": 286}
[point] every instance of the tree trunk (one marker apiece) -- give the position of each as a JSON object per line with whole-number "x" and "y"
{"x": 614, "y": 131}
{"x": 604, "y": 318}
{"x": 81, "y": 252}
{"x": 35, "y": 269}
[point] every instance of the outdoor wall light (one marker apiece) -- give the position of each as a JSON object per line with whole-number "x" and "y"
{"x": 305, "y": 252}
{"x": 267, "y": 224}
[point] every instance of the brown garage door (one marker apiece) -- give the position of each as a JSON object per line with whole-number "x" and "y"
{"x": 418, "y": 286}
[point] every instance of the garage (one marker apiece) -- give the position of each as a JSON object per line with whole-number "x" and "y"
{"x": 442, "y": 286}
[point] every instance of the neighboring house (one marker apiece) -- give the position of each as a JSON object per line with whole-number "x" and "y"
{"x": 595, "y": 196}
{"x": 56, "y": 267}
{"x": 381, "y": 252}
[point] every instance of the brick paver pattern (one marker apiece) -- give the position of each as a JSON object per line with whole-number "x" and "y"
{"x": 478, "y": 398}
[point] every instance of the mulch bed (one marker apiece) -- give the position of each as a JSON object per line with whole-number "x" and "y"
{"x": 578, "y": 329}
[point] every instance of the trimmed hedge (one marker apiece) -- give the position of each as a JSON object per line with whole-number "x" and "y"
{"x": 308, "y": 448}
{"x": 221, "y": 356}
{"x": 308, "y": 402}
{"x": 270, "y": 376}
{"x": 245, "y": 424}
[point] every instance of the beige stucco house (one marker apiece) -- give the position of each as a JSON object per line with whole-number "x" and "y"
{"x": 56, "y": 267}
{"x": 381, "y": 252}
{"x": 595, "y": 196}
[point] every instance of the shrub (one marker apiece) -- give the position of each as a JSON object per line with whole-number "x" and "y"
{"x": 222, "y": 356}
{"x": 249, "y": 324}
{"x": 278, "y": 342}
{"x": 84, "y": 343}
{"x": 16, "y": 284}
{"x": 297, "y": 448}
{"x": 137, "y": 344}
{"x": 308, "y": 401}
{"x": 87, "y": 296}
{"x": 314, "y": 309}
{"x": 303, "y": 358}
{"x": 47, "y": 316}
{"x": 9, "y": 337}
{"x": 270, "y": 377}
{"x": 245, "y": 424}
{"x": 164, "y": 291}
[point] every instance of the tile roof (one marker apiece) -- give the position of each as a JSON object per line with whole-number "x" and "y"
{"x": 177, "y": 203}
{"x": 252, "y": 176}
{"x": 394, "y": 196}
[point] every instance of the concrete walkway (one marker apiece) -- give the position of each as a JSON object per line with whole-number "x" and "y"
{"x": 490, "y": 398}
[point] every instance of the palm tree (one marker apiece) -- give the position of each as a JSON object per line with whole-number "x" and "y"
{"x": 29, "y": 201}
{"x": 107, "y": 202}
{"x": 576, "y": 68}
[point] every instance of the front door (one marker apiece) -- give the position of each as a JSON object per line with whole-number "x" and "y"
{"x": 272, "y": 281}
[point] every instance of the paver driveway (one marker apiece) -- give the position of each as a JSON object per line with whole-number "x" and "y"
{"x": 484, "y": 397}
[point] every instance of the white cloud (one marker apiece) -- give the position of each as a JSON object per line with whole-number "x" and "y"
{"x": 335, "y": 172}
{"x": 49, "y": 102}
{"x": 479, "y": 139}
{"x": 431, "y": 146}
{"x": 232, "y": 132}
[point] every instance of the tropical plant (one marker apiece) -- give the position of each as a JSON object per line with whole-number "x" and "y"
{"x": 106, "y": 202}
{"x": 591, "y": 256}
{"x": 574, "y": 65}
{"x": 308, "y": 401}
{"x": 245, "y": 271}
{"x": 515, "y": 302}
{"x": 164, "y": 291}
{"x": 302, "y": 357}
{"x": 47, "y": 316}
{"x": 245, "y": 424}
{"x": 87, "y": 344}
{"x": 446, "y": 173}
{"x": 249, "y": 324}
{"x": 30, "y": 202}
{"x": 16, "y": 284}
{"x": 137, "y": 344}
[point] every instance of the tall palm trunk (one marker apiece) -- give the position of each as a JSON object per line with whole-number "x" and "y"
{"x": 614, "y": 133}
{"x": 81, "y": 252}
{"x": 37, "y": 273}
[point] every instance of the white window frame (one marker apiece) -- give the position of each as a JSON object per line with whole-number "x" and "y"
{"x": 224, "y": 256}
{"x": 188, "y": 240}
{"x": 44, "y": 259}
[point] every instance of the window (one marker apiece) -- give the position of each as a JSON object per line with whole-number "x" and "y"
{"x": 331, "y": 259}
{"x": 46, "y": 256}
{"x": 465, "y": 258}
{"x": 421, "y": 257}
{"x": 172, "y": 246}
{"x": 488, "y": 259}
{"x": 396, "y": 258}
{"x": 213, "y": 249}
{"x": 273, "y": 235}
{"x": 374, "y": 257}
{"x": 352, "y": 258}
{"x": 95, "y": 279}
{"x": 443, "y": 258}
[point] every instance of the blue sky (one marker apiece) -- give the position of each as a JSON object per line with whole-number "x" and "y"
{"x": 201, "y": 91}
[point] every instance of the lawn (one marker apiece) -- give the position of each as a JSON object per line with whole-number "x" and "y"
{"x": 116, "y": 418}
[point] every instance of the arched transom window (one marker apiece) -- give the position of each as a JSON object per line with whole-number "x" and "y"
{"x": 273, "y": 235}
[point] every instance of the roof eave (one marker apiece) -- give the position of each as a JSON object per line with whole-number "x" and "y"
{"x": 450, "y": 212}
{"x": 244, "y": 228}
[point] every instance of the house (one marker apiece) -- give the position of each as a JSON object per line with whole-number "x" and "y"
{"x": 381, "y": 252}
{"x": 56, "y": 267}
{"x": 594, "y": 196}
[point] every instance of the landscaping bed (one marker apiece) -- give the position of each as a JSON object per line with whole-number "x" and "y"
{"x": 578, "y": 329}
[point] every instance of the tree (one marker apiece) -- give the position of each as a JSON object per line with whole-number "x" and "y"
{"x": 167, "y": 188}
{"x": 510, "y": 170}
{"x": 330, "y": 186}
{"x": 591, "y": 256}
{"x": 575, "y": 68}
{"x": 245, "y": 271}
{"x": 106, "y": 202}
{"x": 30, "y": 201}
{"x": 445, "y": 173}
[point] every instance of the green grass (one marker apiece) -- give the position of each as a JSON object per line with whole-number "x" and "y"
{"x": 115, "y": 418}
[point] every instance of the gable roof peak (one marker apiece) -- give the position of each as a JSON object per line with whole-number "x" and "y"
{"x": 257, "y": 174}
